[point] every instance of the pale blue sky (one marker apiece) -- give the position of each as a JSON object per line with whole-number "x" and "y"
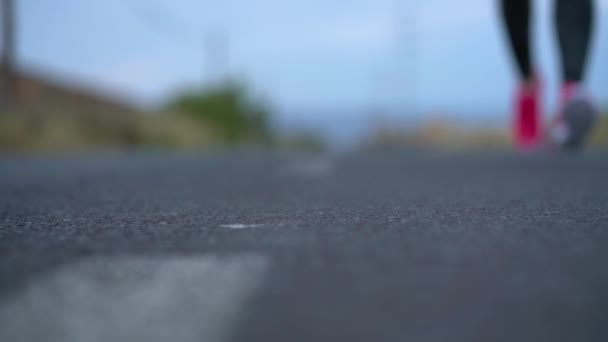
{"x": 441, "y": 55}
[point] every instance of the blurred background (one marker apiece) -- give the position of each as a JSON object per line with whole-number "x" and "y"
{"x": 313, "y": 75}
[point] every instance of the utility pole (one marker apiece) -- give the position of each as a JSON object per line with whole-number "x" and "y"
{"x": 8, "y": 91}
{"x": 217, "y": 58}
{"x": 407, "y": 46}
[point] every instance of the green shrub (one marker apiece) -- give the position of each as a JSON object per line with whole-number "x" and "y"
{"x": 236, "y": 117}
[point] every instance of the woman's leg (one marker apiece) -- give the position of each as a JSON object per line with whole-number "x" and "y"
{"x": 574, "y": 22}
{"x": 516, "y": 17}
{"x": 577, "y": 114}
{"x": 527, "y": 118}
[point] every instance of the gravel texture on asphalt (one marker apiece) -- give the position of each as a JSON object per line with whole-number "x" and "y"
{"x": 377, "y": 246}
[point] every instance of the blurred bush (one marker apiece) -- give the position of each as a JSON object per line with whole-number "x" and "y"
{"x": 441, "y": 133}
{"x": 600, "y": 133}
{"x": 230, "y": 111}
{"x": 54, "y": 117}
{"x": 438, "y": 133}
{"x": 69, "y": 130}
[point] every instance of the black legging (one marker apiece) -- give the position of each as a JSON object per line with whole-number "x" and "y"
{"x": 573, "y": 20}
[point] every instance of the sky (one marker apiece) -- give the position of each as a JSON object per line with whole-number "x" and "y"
{"x": 434, "y": 55}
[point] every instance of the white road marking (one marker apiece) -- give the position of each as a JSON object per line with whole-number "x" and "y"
{"x": 313, "y": 168}
{"x": 134, "y": 299}
{"x": 240, "y": 226}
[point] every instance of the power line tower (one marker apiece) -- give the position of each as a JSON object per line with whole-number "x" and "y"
{"x": 8, "y": 91}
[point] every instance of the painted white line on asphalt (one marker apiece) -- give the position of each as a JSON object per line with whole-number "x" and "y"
{"x": 313, "y": 168}
{"x": 240, "y": 226}
{"x": 135, "y": 299}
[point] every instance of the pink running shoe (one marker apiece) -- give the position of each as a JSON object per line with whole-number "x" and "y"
{"x": 577, "y": 115}
{"x": 527, "y": 117}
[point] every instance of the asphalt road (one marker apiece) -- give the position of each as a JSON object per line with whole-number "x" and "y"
{"x": 391, "y": 246}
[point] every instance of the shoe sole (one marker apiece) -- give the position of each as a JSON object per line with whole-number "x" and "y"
{"x": 580, "y": 117}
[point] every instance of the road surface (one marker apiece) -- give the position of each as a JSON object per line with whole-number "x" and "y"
{"x": 254, "y": 246}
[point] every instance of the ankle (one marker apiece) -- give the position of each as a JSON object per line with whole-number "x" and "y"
{"x": 570, "y": 90}
{"x": 530, "y": 85}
